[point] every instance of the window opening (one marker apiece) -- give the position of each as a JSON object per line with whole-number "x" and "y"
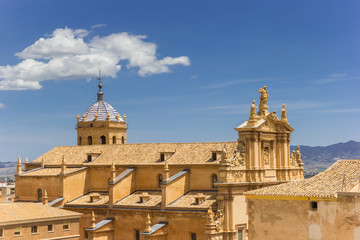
{"x": 114, "y": 140}
{"x": 214, "y": 179}
{"x": 50, "y": 228}
{"x": 34, "y": 229}
{"x": 102, "y": 140}
{"x": 89, "y": 140}
{"x": 39, "y": 194}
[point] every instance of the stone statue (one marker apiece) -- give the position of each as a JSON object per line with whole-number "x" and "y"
{"x": 283, "y": 114}
{"x": 253, "y": 111}
{"x": 264, "y": 96}
{"x": 292, "y": 158}
{"x": 219, "y": 220}
{"x": 298, "y": 156}
{"x": 224, "y": 154}
{"x": 210, "y": 215}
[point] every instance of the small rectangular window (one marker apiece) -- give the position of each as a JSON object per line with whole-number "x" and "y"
{"x": 313, "y": 206}
{"x": 17, "y": 231}
{"x": 162, "y": 157}
{"x": 86, "y": 234}
{"x": 137, "y": 235}
{"x": 193, "y": 236}
{"x": 1, "y": 232}
{"x": 50, "y": 227}
{"x": 66, "y": 226}
{"x": 214, "y": 156}
{"x": 35, "y": 229}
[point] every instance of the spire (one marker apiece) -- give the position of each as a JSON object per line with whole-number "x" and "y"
{"x": 26, "y": 160}
{"x": 19, "y": 166}
{"x": 63, "y": 165}
{"x": 45, "y": 199}
{"x": 166, "y": 171}
{"x": 113, "y": 173}
{"x": 93, "y": 221}
{"x": 148, "y": 224}
{"x": 100, "y": 95}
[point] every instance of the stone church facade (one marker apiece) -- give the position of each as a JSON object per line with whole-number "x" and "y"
{"x": 161, "y": 190}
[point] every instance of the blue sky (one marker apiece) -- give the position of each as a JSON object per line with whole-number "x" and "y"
{"x": 182, "y": 71}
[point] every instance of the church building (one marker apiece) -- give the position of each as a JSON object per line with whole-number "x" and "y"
{"x": 162, "y": 191}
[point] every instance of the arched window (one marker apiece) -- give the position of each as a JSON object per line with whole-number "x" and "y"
{"x": 160, "y": 179}
{"x": 214, "y": 179}
{"x": 122, "y": 140}
{"x": 89, "y": 140}
{"x": 102, "y": 140}
{"x": 79, "y": 141}
{"x": 39, "y": 195}
{"x": 114, "y": 140}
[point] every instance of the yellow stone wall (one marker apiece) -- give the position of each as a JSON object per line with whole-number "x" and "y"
{"x": 96, "y": 129}
{"x": 43, "y": 230}
{"x": 27, "y": 187}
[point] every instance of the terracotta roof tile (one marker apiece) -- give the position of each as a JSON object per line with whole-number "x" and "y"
{"x": 341, "y": 176}
{"x": 136, "y": 154}
{"x": 20, "y": 211}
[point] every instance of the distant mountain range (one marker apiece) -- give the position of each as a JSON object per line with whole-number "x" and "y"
{"x": 316, "y": 159}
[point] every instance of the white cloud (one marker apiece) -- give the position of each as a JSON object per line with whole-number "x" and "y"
{"x": 2, "y": 105}
{"x": 98, "y": 25}
{"x": 66, "y": 55}
{"x": 336, "y": 77}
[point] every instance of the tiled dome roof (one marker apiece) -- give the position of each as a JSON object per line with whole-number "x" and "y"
{"x": 102, "y": 109}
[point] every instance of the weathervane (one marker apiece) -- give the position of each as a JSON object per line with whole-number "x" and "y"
{"x": 99, "y": 79}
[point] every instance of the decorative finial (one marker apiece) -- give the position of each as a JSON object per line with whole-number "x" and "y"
{"x": 83, "y": 117}
{"x": 124, "y": 117}
{"x": 108, "y": 116}
{"x": 148, "y": 224}
{"x": 26, "y": 160}
{"x": 96, "y": 116}
{"x": 19, "y": 160}
{"x": 118, "y": 117}
{"x": 78, "y": 117}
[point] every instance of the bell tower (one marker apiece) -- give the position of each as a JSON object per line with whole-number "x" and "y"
{"x": 101, "y": 123}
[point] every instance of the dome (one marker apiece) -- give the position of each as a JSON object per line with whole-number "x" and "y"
{"x": 102, "y": 109}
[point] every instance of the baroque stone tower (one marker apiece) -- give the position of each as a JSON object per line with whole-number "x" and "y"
{"x": 101, "y": 124}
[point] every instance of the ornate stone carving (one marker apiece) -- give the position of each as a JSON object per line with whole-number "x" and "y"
{"x": 237, "y": 174}
{"x": 238, "y": 158}
{"x": 266, "y": 156}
